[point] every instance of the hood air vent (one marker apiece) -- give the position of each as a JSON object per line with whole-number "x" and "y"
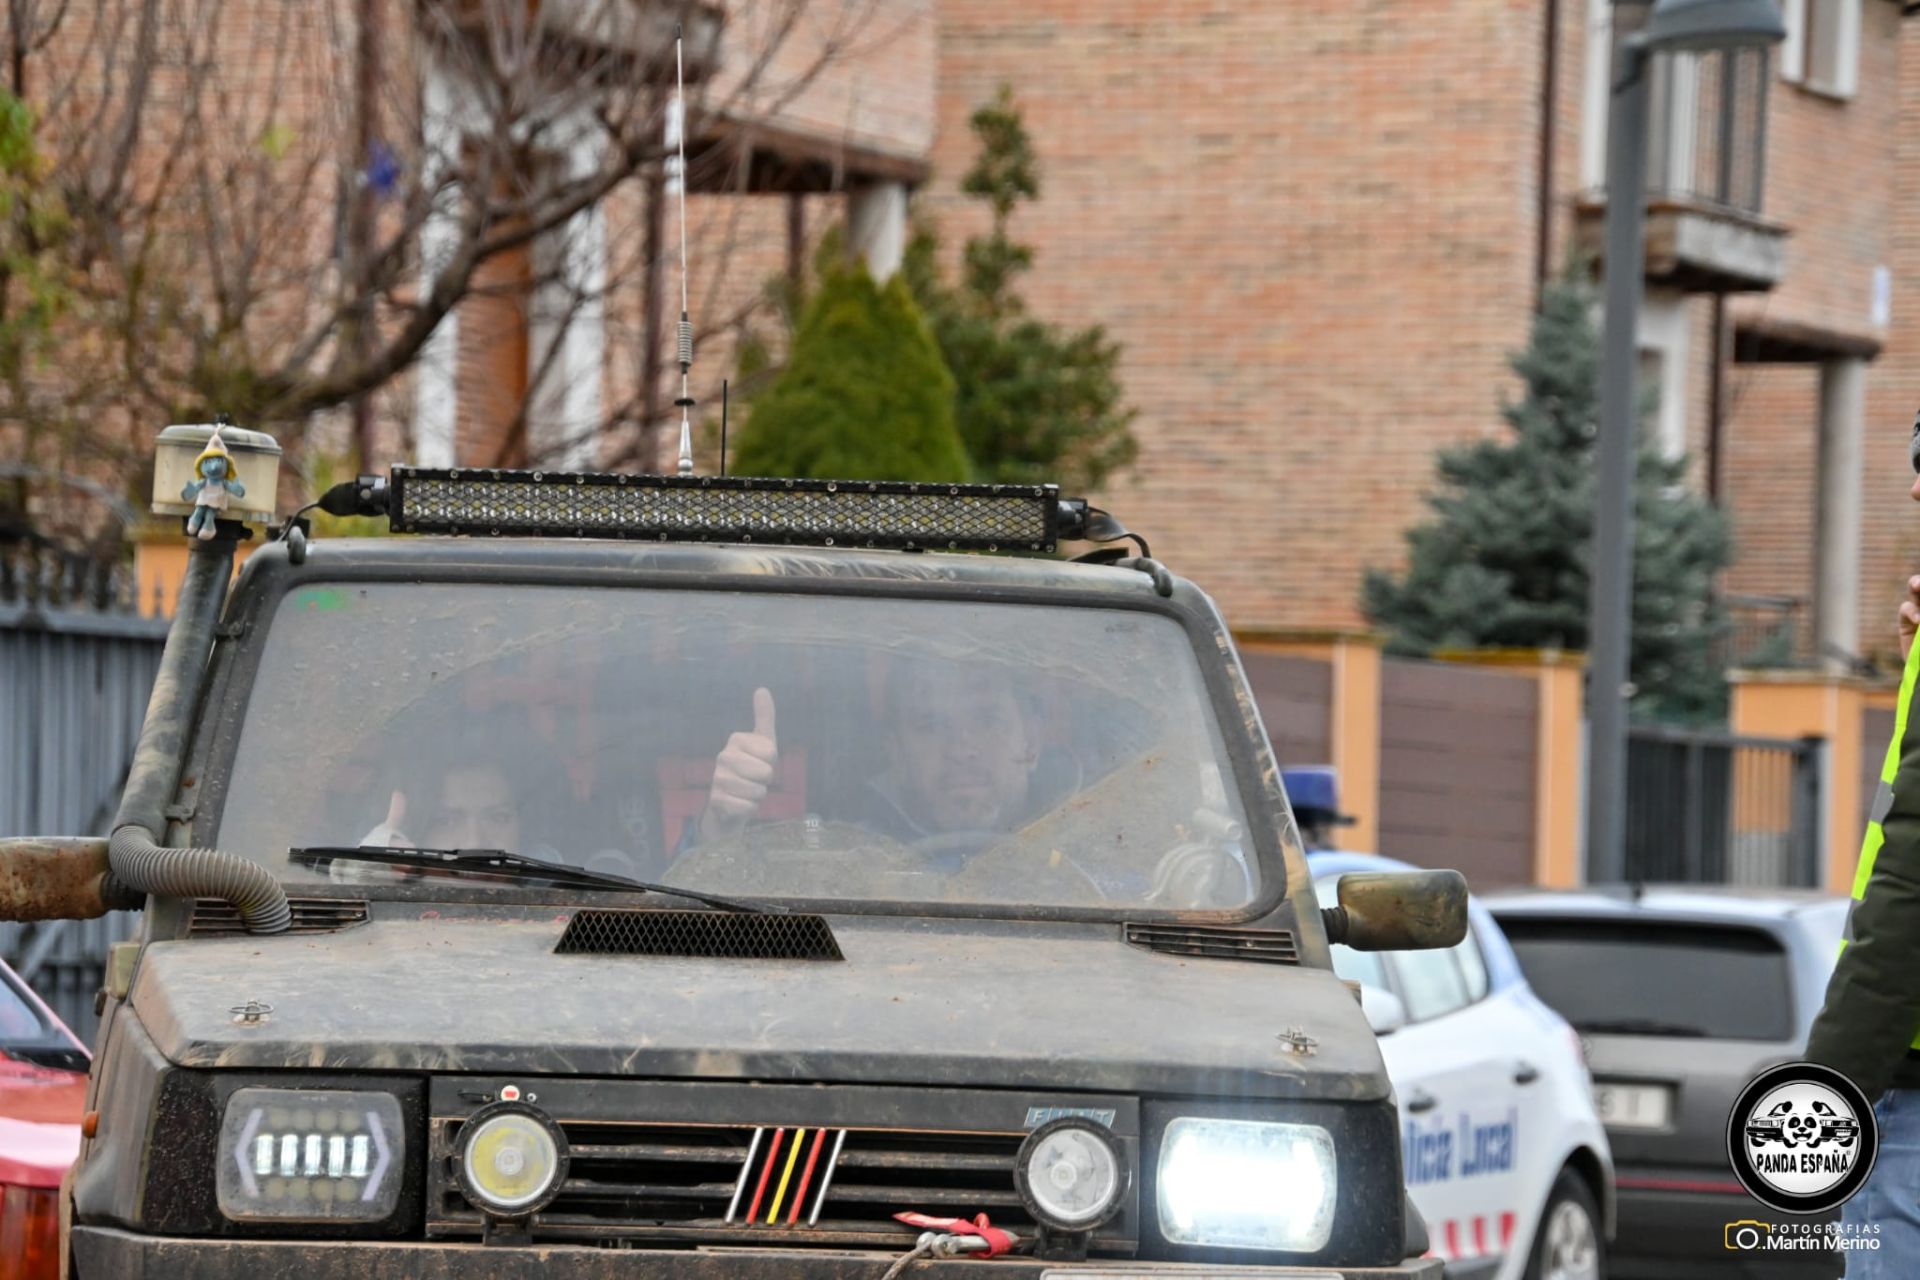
{"x": 707, "y": 935}
{"x": 213, "y": 918}
{"x": 1266, "y": 946}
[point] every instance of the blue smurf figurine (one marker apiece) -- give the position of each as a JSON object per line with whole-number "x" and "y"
{"x": 210, "y": 491}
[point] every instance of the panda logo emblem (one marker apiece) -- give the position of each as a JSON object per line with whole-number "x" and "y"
{"x": 1801, "y": 1138}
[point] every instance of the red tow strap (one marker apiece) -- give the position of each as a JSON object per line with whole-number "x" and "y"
{"x": 998, "y": 1241}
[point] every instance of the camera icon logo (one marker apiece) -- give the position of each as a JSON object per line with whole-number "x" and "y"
{"x": 1748, "y": 1233}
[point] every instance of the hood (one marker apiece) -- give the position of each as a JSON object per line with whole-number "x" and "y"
{"x": 914, "y": 1002}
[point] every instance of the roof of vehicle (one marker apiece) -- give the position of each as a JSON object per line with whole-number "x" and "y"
{"x": 593, "y": 558}
{"x": 1703, "y": 902}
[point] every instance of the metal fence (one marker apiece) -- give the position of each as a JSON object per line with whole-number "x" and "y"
{"x": 1714, "y": 808}
{"x": 74, "y": 681}
{"x": 1764, "y": 631}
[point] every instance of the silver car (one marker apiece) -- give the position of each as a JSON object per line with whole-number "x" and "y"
{"x": 1681, "y": 994}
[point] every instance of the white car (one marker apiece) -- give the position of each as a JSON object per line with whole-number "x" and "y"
{"x": 1504, "y": 1154}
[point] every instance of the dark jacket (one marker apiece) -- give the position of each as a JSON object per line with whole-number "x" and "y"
{"x": 1867, "y": 1025}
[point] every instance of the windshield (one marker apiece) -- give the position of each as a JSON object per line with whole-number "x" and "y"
{"x": 746, "y": 743}
{"x": 1619, "y": 978}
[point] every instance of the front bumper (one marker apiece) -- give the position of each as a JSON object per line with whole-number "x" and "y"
{"x": 101, "y": 1252}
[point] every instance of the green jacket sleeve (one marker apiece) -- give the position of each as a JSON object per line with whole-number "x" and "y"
{"x": 1872, "y": 1007}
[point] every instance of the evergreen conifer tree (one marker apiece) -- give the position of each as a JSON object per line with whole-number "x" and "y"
{"x": 1505, "y": 561}
{"x": 1036, "y": 403}
{"x": 864, "y": 394}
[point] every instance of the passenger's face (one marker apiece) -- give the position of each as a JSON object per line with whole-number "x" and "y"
{"x": 475, "y": 811}
{"x": 964, "y": 753}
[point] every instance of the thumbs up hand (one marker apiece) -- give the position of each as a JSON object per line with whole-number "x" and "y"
{"x": 742, "y": 773}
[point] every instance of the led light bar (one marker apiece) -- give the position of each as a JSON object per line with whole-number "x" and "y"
{"x": 821, "y": 513}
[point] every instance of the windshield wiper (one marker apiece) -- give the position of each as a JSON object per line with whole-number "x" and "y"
{"x": 511, "y": 866}
{"x": 1638, "y": 1027}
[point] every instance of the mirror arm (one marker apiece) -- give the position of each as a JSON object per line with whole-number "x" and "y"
{"x": 1334, "y": 921}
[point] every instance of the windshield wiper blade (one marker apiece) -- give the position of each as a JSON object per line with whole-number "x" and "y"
{"x": 516, "y": 866}
{"x": 1638, "y": 1027}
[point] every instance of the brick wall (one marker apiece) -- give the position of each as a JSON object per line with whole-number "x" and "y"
{"x": 1890, "y": 521}
{"x": 1768, "y": 471}
{"x": 1311, "y": 225}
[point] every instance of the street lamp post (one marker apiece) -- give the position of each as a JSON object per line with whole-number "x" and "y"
{"x": 1671, "y": 26}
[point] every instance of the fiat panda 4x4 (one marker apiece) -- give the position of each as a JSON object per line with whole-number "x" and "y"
{"x": 684, "y": 877}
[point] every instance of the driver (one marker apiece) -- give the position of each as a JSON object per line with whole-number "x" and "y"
{"x": 961, "y": 746}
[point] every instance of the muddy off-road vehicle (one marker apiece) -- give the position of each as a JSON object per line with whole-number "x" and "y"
{"x": 683, "y": 877}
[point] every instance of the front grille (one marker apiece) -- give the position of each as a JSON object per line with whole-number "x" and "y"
{"x": 213, "y": 918}
{"x": 663, "y": 1182}
{"x": 720, "y": 935}
{"x": 1267, "y": 946}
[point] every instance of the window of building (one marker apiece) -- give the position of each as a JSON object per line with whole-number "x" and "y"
{"x": 1822, "y": 51}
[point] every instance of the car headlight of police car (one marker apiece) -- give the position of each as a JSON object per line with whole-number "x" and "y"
{"x": 1245, "y": 1184}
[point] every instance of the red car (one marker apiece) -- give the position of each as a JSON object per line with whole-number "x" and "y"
{"x": 43, "y": 1090}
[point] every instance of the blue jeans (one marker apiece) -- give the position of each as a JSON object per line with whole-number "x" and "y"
{"x": 1890, "y": 1199}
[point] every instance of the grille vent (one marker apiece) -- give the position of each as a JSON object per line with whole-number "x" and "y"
{"x": 1265, "y": 946}
{"x": 213, "y": 918}
{"x": 628, "y": 1184}
{"x": 715, "y": 935}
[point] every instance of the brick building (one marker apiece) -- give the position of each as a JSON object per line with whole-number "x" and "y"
{"x": 1318, "y": 229}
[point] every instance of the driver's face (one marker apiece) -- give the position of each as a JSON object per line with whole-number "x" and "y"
{"x": 964, "y": 753}
{"x": 475, "y": 811}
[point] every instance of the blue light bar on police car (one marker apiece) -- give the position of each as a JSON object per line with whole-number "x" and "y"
{"x": 827, "y": 513}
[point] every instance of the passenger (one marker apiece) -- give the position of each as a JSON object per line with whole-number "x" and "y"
{"x": 961, "y": 748}
{"x": 474, "y": 806}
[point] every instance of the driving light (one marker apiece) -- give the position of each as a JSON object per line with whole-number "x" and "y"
{"x": 1243, "y": 1184}
{"x": 511, "y": 1159}
{"x": 1071, "y": 1174}
{"x": 821, "y": 513}
{"x": 310, "y": 1155}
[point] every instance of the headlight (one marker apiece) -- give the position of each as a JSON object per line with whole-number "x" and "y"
{"x": 511, "y": 1159}
{"x": 1243, "y": 1184}
{"x": 310, "y": 1155}
{"x": 1070, "y": 1174}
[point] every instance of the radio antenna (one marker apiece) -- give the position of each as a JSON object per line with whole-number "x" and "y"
{"x": 685, "y": 402}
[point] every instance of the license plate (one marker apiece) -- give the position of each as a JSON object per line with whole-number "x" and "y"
{"x": 1633, "y": 1106}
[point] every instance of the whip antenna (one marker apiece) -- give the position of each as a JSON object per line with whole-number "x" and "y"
{"x": 685, "y": 402}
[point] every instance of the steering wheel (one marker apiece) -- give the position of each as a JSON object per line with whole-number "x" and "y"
{"x": 1197, "y": 876}
{"x": 1020, "y": 861}
{"x": 611, "y": 861}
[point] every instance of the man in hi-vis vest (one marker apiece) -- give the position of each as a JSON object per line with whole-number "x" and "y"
{"x": 1869, "y": 1027}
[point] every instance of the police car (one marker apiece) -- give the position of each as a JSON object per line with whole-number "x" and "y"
{"x": 1504, "y": 1154}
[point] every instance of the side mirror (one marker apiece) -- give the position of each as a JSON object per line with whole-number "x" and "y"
{"x": 1399, "y": 911}
{"x": 1385, "y": 1012}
